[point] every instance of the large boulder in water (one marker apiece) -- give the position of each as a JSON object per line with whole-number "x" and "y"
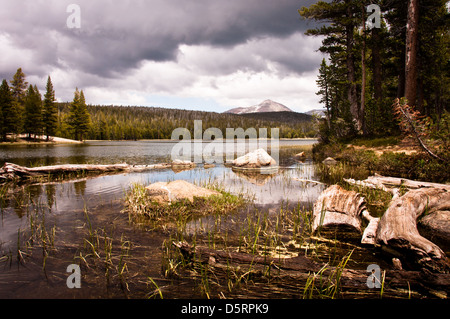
{"x": 167, "y": 192}
{"x": 255, "y": 160}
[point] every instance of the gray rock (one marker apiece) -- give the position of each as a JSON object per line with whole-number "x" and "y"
{"x": 329, "y": 161}
{"x": 167, "y": 192}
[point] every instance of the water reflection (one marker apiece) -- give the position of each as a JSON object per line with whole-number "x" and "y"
{"x": 64, "y": 198}
{"x": 64, "y": 204}
{"x": 105, "y": 152}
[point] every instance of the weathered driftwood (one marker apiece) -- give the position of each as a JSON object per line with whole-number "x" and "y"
{"x": 392, "y": 184}
{"x": 300, "y": 268}
{"x": 397, "y": 228}
{"x": 437, "y": 225}
{"x": 338, "y": 208}
{"x": 370, "y": 232}
{"x": 11, "y": 171}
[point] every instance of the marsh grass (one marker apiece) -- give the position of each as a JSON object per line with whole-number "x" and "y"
{"x": 105, "y": 254}
{"x": 143, "y": 210}
{"x": 37, "y": 233}
{"x": 284, "y": 233}
{"x": 323, "y": 286}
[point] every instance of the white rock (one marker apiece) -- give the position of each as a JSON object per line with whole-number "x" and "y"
{"x": 256, "y": 159}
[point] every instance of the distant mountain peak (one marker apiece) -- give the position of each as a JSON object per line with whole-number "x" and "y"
{"x": 263, "y": 107}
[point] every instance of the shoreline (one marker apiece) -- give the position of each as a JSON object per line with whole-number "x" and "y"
{"x": 21, "y": 139}
{"x": 41, "y": 140}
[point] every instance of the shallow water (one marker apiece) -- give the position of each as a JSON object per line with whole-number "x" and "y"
{"x": 76, "y": 211}
{"x": 61, "y": 207}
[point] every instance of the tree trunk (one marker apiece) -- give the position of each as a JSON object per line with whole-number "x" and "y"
{"x": 299, "y": 270}
{"x": 11, "y": 171}
{"x": 398, "y": 227}
{"x": 351, "y": 73}
{"x": 337, "y": 208}
{"x": 391, "y": 184}
{"x": 363, "y": 75}
{"x": 376, "y": 66}
{"x": 411, "y": 52}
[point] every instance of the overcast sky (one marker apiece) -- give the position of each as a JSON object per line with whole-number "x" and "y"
{"x": 209, "y": 55}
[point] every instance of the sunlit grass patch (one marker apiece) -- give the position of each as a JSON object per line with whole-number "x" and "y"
{"x": 143, "y": 209}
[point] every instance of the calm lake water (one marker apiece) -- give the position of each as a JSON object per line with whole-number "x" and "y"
{"x": 101, "y": 152}
{"x": 103, "y": 197}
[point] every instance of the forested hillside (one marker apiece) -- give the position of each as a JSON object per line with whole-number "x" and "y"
{"x": 134, "y": 122}
{"x": 22, "y": 110}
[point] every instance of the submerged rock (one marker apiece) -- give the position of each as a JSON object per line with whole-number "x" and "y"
{"x": 167, "y": 192}
{"x": 179, "y": 162}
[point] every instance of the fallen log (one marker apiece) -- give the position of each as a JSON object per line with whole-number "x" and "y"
{"x": 300, "y": 268}
{"x": 338, "y": 208}
{"x": 437, "y": 225}
{"x": 392, "y": 184}
{"x": 397, "y": 228}
{"x": 396, "y": 231}
{"x": 11, "y": 172}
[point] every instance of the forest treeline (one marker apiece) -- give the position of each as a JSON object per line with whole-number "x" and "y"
{"x": 24, "y": 110}
{"x": 140, "y": 122}
{"x": 376, "y": 56}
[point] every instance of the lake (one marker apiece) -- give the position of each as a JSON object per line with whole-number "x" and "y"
{"x": 59, "y": 215}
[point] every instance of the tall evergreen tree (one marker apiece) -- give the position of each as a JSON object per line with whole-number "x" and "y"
{"x": 18, "y": 90}
{"x": 33, "y": 112}
{"x": 323, "y": 82}
{"x": 79, "y": 118}
{"x": 407, "y": 56}
{"x": 342, "y": 16}
{"x": 8, "y": 112}
{"x": 85, "y": 119}
{"x": 50, "y": 110}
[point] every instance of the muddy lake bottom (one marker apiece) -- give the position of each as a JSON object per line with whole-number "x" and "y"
{"x": 47, "y": 227}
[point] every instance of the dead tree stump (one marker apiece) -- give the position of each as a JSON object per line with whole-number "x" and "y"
{"x": 338, "y": 208}
{"x": 397, "y": 228}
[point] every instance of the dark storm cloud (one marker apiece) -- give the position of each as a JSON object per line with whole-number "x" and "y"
{"x": 116, "y": 36}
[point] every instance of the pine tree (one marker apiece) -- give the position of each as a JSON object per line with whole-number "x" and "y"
{"x": 323, "y": 82}
{"x": 8, "y": 112}
{"x": 83, "y": 114}
{"x": 50, "y": 110}
{"x": 79, "y": 118}
{"x": 18, "y": 91}
{"x": 342, "y": 16}
{"x": 33, "y": 112}
{"x": 72, "y": 119}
